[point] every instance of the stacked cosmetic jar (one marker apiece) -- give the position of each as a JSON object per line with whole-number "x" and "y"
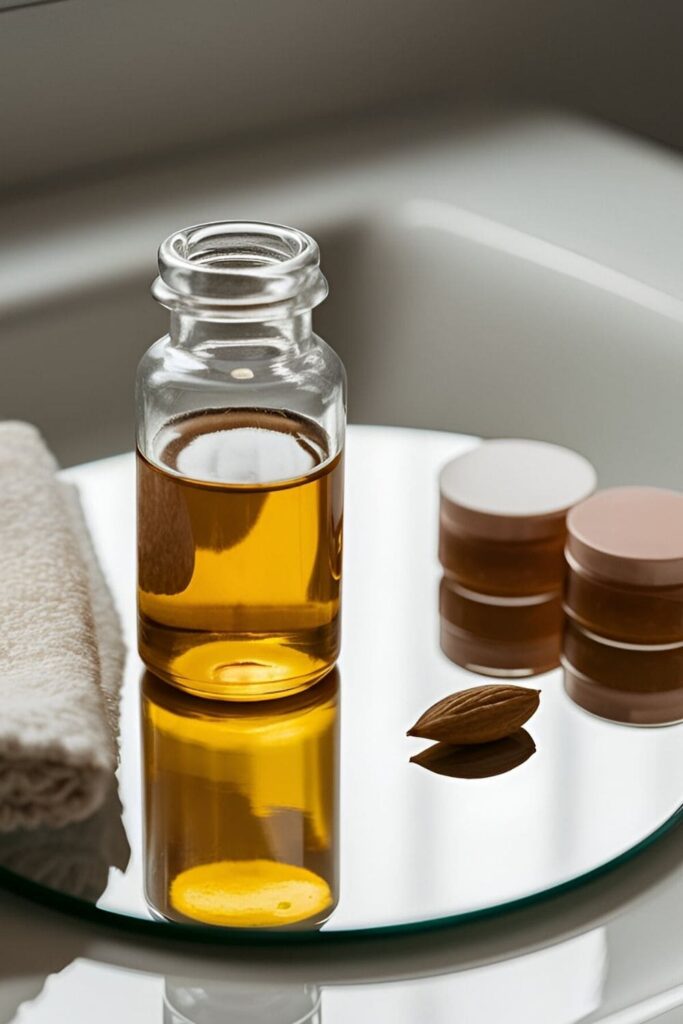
{"x": 623, "y": 646}
{"x": 502, "y": 535}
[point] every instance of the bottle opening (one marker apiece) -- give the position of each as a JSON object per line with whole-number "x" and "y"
{"x": 240, "y": 264}
{"x": 248, "y": 245}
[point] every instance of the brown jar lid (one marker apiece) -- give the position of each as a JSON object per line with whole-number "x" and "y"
{"x": 511, "y": 489}
{"x": 632, "y": 535}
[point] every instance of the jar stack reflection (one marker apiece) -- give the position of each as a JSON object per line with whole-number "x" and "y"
{"x": 241, "y": 808}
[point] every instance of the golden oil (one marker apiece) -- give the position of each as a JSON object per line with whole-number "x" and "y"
{"x": 239, "y": 554}
{"x": 241, "y": 807}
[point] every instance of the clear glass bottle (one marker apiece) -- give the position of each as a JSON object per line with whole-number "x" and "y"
{"x": 241, "y": 414}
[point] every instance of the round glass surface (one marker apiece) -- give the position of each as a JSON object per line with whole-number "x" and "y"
{"x": 305, "y": 817}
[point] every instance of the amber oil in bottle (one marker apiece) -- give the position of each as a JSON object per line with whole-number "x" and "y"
{"x": 239, "y": 553}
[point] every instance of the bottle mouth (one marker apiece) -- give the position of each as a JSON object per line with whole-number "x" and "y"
{"x": 239, "y": 270}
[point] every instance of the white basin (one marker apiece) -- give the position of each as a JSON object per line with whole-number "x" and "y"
{"x": 456, "y": 321}
{"x": 516, "y": 275}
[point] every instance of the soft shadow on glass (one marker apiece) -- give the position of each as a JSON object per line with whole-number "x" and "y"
{"x": 241, "y": 808}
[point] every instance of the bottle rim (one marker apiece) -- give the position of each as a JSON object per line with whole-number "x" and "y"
{"x": 239, "y": 268}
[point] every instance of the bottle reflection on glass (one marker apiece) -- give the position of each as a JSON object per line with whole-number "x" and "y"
{"x": 241, "y": 808}
{"x": 187, "y": 1001}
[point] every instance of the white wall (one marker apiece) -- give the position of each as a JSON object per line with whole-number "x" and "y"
{"x": 85, "y": 83}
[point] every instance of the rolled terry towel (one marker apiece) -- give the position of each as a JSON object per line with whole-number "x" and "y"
{"x": 75, "y": 859}
{"x": 61, "y": 648}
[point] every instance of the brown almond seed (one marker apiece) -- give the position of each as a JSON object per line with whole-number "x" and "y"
{"x": 480, "y": 714}
{"x": 477, "y": 761}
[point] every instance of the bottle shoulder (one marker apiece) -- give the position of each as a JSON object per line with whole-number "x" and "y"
{"x": 165, "y": 363}
{"x": 308, "y": 382}
{"x": 319, "y": 361}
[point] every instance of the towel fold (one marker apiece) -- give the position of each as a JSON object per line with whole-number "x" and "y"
{"x": 75, "y": 859}
{"x": 61, "y": 647}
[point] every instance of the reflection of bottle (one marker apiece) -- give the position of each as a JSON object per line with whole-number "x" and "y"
{"x": 241, "y": 807}
{"x": 188, "y": 1002}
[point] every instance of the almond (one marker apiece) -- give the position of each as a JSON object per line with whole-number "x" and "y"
{"x": 478, "y": 715}
{"x": 477, "y": 761}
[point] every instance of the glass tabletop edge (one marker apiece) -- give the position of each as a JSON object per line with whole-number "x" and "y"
{"x": 212, "y": 935}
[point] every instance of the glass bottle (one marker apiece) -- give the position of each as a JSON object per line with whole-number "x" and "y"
{"x": 241, "y": 413}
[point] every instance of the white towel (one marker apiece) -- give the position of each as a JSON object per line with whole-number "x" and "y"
{"x": 75, "y": 859}
{"x": 61, "y": 649}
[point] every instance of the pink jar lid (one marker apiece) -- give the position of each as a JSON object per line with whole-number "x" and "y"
{"x": 632, "y": 535}
{"x": 511, "y": 489}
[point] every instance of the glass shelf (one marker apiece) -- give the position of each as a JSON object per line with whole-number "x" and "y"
{"x": 323, "y": 782}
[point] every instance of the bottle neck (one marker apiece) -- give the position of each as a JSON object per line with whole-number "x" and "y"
{"x": 237, "y": 284}
{"x": 197, "y": 334}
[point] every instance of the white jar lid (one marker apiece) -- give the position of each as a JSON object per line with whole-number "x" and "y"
{"x": 513, "y": 489}
{"x": 631, "y": 535}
